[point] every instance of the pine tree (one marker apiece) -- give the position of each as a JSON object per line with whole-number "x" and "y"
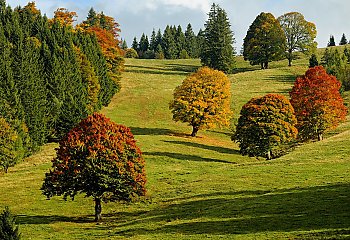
{"x": 92, "y": 18}
{"x": 124, "y": 45}
{"x": 200, "y": 39}
{"x": 331, "y": 42}
{"x": 343, "y": 40}
{"x": 218, "y": 46}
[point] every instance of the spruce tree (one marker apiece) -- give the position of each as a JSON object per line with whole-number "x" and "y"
{"x": 218, "y": 46}
{"x": 153, "y": 41}
{"x": 180, "y": 41}
{"x": 135, "y": 44}
{"x": 313, "y": 62}
{"x": 169, "y": 44}
{"x": 343, "y": 40}
{"x": 190, "y": 42}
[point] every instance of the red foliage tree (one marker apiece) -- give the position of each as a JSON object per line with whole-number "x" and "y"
{"x": 98, "y": 158}
{"x": 317, "y": 102}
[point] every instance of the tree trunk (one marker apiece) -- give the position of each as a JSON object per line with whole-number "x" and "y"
{"x": 266, "y": 65}
{"x": 320, "y": 136}
{"x": 290, "y": 56}
{"x": 98, "y": 210}
{"x": 262, "y": 65}
{"x": 194, "y": 131}
{"x": 269, "y": 155}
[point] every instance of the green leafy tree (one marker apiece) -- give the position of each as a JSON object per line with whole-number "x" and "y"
{"x": 331, "y": 42}
{"x": 131, "y": 53}
{"x": 265, "y": 124}
{"x": 317, "y": 102}
{"x": 100, "y": 159}
{"x": 8, "y": 228}
{"x": 300, "y": 34}
{"x": 218, "y": 52}
{"x": 265, "y": 41}
{"x": 343, "y": 40}
{"x": 202, "y": 100}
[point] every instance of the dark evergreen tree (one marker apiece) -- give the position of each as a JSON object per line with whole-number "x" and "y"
{"x": 159, "y": 38}
{"x": 218, "y": 46}
{"x": 169, "y": 44}
{"x": 143, "y": 45}
{"x": 200, "y": 42}
{"x": 135, "y": 45}
{"x": 331, "y": 42}
{"x": 190, "y": 42}
{"x": 180, "y": 41}
{"x": 124, "y": 45}
{"x": 343, "y": 40}
{"x": 313, "y": 62}
{"x": 92, "y": 18}
{"x": 153, "y": 41}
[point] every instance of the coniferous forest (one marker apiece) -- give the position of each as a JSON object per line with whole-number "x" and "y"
{"x": 52, "y": 74}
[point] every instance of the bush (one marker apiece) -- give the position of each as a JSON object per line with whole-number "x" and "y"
{"x": 131, "y": 53}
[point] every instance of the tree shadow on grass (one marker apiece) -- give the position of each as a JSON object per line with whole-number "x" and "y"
{"x": 322, "y": 208}
{"x": 154, "y": 70}
{"x": 182, "y": 67}
{"x": 185, "y": 157}
{"x": 207, "y": 147}
{"x": 42, "y": 219}
{"x": 157, "y": 132}
{"x": 283, "y": 78}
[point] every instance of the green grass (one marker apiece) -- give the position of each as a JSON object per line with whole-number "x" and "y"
{"x": 198, "y": 188}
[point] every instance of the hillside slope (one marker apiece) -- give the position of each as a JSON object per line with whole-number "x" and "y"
{"x": 197, "y": 188}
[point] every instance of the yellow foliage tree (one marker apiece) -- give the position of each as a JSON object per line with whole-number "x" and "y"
{"x": 203, "y": 100}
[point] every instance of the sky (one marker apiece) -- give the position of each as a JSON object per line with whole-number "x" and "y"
{"x": 142, "y": 16}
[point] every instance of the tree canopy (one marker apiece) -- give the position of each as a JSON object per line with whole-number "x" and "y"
{"x": 317, "y": 102}
{"x": 203, "y": 100}
{"x": 265, "y": 123}
{"x": 218, "y": 51}
{"x": 300, "y": 34}
{"x": 265, "y": 41}
{"x": 100, "y": 159}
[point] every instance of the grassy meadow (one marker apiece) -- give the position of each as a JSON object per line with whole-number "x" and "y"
{"x": 201, "y": 187}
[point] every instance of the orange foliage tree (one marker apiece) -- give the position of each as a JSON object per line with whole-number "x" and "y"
{"x": 203, "y": 100}
{"x": 106, "y": 30}
{"x": 317, "y": 102}
{"x": 98, "y": 158}
{"x": 64, "y": 17}
{"x": 265, "y": 123}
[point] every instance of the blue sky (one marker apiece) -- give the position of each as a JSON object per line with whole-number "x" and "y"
{"x": 141, "y": 16}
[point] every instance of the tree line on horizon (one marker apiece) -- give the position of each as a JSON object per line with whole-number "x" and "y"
{"x": 173, "y": 43}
